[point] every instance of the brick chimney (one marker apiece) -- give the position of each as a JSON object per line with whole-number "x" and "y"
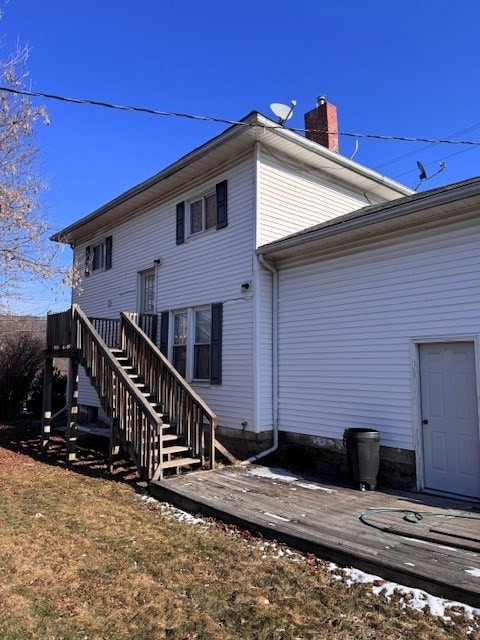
{"x": 323, "y": 118}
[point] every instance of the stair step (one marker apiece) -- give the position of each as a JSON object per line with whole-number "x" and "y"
{"x": 180, "y": 462}
{"x": 169, "y": 437}
{"x": 175, "y": 449}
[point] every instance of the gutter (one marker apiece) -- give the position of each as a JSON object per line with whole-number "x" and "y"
{"x": 274, "y": 446}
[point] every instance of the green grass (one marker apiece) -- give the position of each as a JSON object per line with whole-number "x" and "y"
{"x": 82, "y": 557}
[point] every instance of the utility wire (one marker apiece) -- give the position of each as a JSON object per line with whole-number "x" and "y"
{"x": 427, "y": 146}
{"x": 156, "y": 112}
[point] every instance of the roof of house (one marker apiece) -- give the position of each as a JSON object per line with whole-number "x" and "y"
{"x": 221, "y": 151}
{"x": 435, "y": 204}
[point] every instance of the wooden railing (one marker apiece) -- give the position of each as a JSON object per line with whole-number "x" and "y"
{"x": 148, "y": 324}
{"x": 109, "y": 330}
{"x": 192, "y": 417}
{"x": 136, "y": 422}
{"x": 59, "y": 329}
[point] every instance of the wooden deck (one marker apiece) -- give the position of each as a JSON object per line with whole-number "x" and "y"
{"x": 437, "y": 554}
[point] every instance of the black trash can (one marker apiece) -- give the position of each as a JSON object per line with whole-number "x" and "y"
{"x": 363, "y": 454}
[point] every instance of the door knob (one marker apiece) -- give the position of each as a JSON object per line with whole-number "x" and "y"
{"x": 425, "y": 421}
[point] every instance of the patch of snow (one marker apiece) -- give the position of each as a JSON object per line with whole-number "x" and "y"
{"x": 93, "y": 430}
{"x": 473, "y": 571}
{"x": 274, "y": 473}
{"x": 412, "y": 598}
{"x": 274, "y": 515}
{"x": 316, "y": 487}
{"x": 172, "y": 512}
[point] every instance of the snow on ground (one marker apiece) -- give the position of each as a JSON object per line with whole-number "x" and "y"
{"x": 409, "y": 597}
{"x": 282, "y": 475}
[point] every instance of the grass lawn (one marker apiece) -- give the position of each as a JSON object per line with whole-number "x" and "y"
{"x": 82, "y": 557}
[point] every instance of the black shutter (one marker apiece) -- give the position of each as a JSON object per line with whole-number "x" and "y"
{"x": 108, "y": 252}
{"x": 164, "y": 318}
{"x": 216, "y": 344}
{"x": 88, "y": 260}
{"x": 180, "y": 222}
{"x": 221, "y": 204}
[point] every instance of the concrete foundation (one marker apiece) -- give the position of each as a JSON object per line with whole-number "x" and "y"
{"x": 244, "y": 444}
{"x": 328, "y": 455}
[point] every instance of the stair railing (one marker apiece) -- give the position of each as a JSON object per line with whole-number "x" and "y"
{"x": 192, "y": 417}
{"x": 134, "y": 419}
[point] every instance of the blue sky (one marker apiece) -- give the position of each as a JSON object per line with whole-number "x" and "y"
{"x": 396, "y": 68}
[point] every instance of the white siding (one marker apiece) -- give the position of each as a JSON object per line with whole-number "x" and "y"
{"x": 207, "y": 268}
{"x": 291, "y": 198}
{"x": 347, "y": 324}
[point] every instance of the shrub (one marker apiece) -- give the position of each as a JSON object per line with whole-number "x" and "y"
{"x": 59, "y": 389}
{"x": 21, "y": 357}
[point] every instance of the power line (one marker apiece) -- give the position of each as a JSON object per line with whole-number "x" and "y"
{"x": 427, "y": 146}
{"x": 434, "y": 162}
{"x": 156, "y": 112}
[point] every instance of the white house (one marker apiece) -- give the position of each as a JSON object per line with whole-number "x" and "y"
{"x": 298, "y": 291}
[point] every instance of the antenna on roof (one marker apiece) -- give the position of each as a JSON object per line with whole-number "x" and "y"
{"x": 283, "y": 111}
{"x": 355, "y": 149}
{"x": 423, "y": 174}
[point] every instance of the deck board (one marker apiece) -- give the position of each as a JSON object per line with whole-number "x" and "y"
{"x": 322, "y": 518}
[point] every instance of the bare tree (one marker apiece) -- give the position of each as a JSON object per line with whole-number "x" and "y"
{"x": 25, "y": 250}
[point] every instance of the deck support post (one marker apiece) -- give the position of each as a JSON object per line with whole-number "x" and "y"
{"x": 47, "y": 403}
{"x": 114, "y": 445}
{"x": 72, "y": 410}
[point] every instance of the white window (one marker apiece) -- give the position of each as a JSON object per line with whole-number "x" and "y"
{"x": 98, "y": 260}
{"x": 191, "y": 341}
{"x": 203, "y": 213}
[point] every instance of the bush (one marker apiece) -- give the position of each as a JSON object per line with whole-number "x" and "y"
{"x": 59, "y": 390}
{"x": 21, "y": 358}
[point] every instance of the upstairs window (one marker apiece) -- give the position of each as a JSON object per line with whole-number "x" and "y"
{"x": 99, "y": 256}
{"x": 203, "y": 213}
{"x": 98, "y": 261}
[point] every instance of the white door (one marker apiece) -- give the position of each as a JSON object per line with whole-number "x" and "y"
{"x": 451, "y": 441}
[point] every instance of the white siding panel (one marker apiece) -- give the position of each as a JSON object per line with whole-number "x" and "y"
{"x": 291, "y": 199}
{"x": 209, "y": 267}
{"x": 347, "y": 324}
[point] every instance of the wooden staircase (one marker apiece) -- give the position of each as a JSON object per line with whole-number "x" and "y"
{"x": 175, "y": 454}
{"x": 155, "y": 416}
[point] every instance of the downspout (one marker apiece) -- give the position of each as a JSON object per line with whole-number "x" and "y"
{"x": 274, "y": 446}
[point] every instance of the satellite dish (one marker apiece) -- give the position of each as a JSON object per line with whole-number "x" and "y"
{"x": 423, "y": 173}
{"x": 283, "y": 111}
